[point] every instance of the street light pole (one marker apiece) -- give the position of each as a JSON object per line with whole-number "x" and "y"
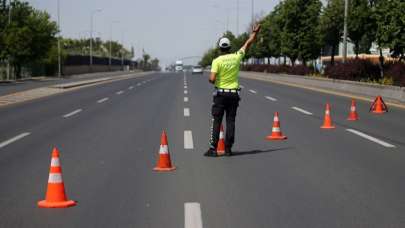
{"x": 59, "y": 47}
{"x": 345, "y": 31}
{"x": 91, "y": 36}
{"x": 9, "y": 22}
{"x": 237, "y": 17}
{"x": 111, "y": 37}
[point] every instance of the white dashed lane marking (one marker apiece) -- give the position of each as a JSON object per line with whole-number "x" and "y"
{"x": 185, "y": 99}
{"x": 188, "y": 140}
{"x": 131, "y": 87}
{"x": 271, "y": 98}
{"x": 185, "y": 91}
{"x": 14, "y": 139}
{"x": 119, "y": 92}
{"x": 302, "y": 111}
{"x": 186, "y": 112}
{"x": 252, "y": 91}
{"x": 241, "y": 86}
{"x": 371, "y": 138}
{"x": 192, "y": 215}
{"x": 102, "y": 100}
{"x": 72, "y": 113}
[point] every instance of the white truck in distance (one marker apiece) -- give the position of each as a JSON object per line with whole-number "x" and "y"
{"x": 179, "y": 66}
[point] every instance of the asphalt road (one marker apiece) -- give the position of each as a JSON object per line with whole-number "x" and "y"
{"x": 109, "y": 147}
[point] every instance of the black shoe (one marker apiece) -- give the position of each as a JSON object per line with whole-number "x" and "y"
{"x": 211, "y": 153}
{"x": 228, "y": 152}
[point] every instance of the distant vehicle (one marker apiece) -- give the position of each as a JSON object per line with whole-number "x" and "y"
{"x": 197, "y": 70}
{"x": 179, "y": 66}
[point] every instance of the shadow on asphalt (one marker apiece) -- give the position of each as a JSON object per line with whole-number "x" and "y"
{"x": 253, "y": 152}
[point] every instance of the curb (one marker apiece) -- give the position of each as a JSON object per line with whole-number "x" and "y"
{"x": 337, "y": 92}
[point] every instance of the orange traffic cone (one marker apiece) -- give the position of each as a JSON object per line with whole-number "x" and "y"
{"x": 327, "y": 123}
{"x": 276, "y": 131}
{"x": 353, "y": 116}
{"x": 379, "y": 106}
{"x": 55, "y": 195}
{"x": 221, "y": 142}
{"x": 164, "y": 163}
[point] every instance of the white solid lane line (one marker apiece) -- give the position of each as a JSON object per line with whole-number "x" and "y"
{"x": 186, "y": 112}
{"x": 185, "y": 91}
{"x": 119, "y": 92}
{"x": 270, "y": 98}
{"x": 185, "y": 99}
{"x": 102, "y": 100}
{"x": 188, "y": 140}
{"x": 302, "y": 111}
{"x": 371, "y": 138}
{"x": 72, "y": 113}
{"x": 192, "y": 215}
{"x": 14, "y": 139}
{"x": 252, "y": 91}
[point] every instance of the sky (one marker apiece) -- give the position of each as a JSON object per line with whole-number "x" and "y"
{"x": 166, "y": 29}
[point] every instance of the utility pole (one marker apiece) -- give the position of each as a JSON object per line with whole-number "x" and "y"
{"x": 237, "y": 17}
{"x": 253, "y": 12}
{"x": 122, "y": 51}
{"x": 345, "y": 31}
{"x": 91, "y": 36}
{"x": 59, "y": 47}
{"x": 111, "y": 38}
{"x": 8, "y": 59}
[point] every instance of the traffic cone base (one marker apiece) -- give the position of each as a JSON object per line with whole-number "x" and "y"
{"x": 164, "y": 169}
{"x": 64, "y": 204}
{"x": 328, "y": 127}
{"x": 272, "y": 137}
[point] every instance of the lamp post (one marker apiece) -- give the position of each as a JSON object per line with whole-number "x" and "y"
{"x": 91, "y": 35}
{"x": 59, "y": 47}
{"x": 345, "y": 31}
{"x": 9, "y": 22}
{"x": 111, "y": 29}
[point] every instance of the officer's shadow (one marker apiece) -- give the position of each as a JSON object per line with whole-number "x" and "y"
{"x": 253, "y": 152}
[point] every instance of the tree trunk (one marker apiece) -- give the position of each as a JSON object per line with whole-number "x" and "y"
{"x": 381, "y": 58}
{"x": 285, "y": 60}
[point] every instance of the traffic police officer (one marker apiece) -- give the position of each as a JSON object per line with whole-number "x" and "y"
{"x": 225, "y": 77}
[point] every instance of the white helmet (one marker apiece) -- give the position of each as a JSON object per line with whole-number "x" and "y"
{"x": 224, "y": 43}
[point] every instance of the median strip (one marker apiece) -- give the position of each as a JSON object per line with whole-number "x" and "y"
{"x": 14, "y": 139}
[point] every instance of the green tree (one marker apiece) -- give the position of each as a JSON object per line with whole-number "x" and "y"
{"x": 309, "y": 35}
{"x": 361, "y": 25}
{"x": 331, "y": 25}
{"x": 272, "y": 27}
{"x": 29, "y": 37}
{"x": 290, "y": 28}
{"x": 390, "y": 20}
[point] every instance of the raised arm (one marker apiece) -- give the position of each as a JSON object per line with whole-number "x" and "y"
{"x": 252, "y": 37}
